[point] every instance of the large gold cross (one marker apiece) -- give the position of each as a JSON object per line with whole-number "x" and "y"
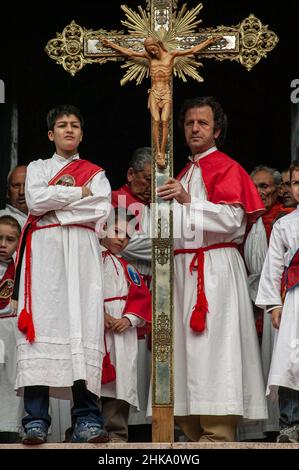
{"x": 75, "y": 47}
{"x": 247, "y": 42}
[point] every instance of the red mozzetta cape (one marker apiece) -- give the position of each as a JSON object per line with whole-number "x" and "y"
{"x": 130, "y": 197}
{"x": 273, "y": 214}
{"x": 123, "y": 197}
{"x": 226, "y": 182}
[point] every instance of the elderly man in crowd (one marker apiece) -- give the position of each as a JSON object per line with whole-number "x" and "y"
{"x": 285, "y": 190}
{"x": 16, "y": 204}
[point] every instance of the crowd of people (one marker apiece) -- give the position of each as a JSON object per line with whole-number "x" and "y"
{"x": 75, "y": 301}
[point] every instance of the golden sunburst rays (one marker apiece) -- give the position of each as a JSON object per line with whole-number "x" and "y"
{"x": 138, "y": 69}
{"x": 186, "y": 66}
{"x": 138, "y": 24}
{"x": 183, "y": 23}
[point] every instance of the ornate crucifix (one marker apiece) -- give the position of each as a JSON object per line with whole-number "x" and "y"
{"x": 177, "y": 33}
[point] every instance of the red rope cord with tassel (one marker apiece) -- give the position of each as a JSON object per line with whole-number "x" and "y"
{"x": 201, "y": 308}
{"x": 108, "y": 369}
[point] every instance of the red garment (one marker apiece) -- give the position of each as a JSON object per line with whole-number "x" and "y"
{"x": 290, "y": 277}
{"x": 130, "y": 197}
{"x": 259, "y": 321}
{"x": 292, "y": 272}
{"x": 138, "y": 298}
{"x": 123, "y": 197}
{"x": 273, "y": 214}
{"x": 76, "y": 173}
{"x": 138, "y": 303}
{"x": 7, "y": 285}
{"x": 226, "y": 182}
{"x": 80, "y": 172}
{"x": 108, "y": 369}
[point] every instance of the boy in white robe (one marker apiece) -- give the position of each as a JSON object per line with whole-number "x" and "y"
{"x": 11, "y": 409}
{"x": 281, "y": 264}
{"x": 61, "y": 321}
{"x": 127, "y": 306}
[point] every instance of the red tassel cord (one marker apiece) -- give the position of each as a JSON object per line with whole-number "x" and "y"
{"x": 200, "y": 309}
{"x": 108, "y": 369}
{"x": 25, "y": 321}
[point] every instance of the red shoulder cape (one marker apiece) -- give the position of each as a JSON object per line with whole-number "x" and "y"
{"x": 130, "y": 198}
{"x": 226, "y": 182}
{"x": 273, "y": 214}
{"x": 123, "y": 197}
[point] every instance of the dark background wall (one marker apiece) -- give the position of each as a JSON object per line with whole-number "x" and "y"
{"x": 117, "y": 121}
{"x": 5, "y": 120}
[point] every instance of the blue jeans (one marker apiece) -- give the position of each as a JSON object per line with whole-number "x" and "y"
{"x": 36, "y": 403}
{"x": 288, "y": 407}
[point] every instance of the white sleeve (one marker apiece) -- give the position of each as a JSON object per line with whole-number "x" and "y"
{"x": 255, "y": 252}
{"x": 41, "y": 197}
{"x": 93, "y": 208}
{"x": 256, "y": 247}
{"x": 216, "y": 218}
{"x": 270, "y": 282}
{"x": 135, "y": 321}
{"x": 139, "y": 247}
{"x": 140, "y": 244}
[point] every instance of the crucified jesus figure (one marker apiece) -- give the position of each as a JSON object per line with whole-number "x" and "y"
{"x": 161, "y": 64}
